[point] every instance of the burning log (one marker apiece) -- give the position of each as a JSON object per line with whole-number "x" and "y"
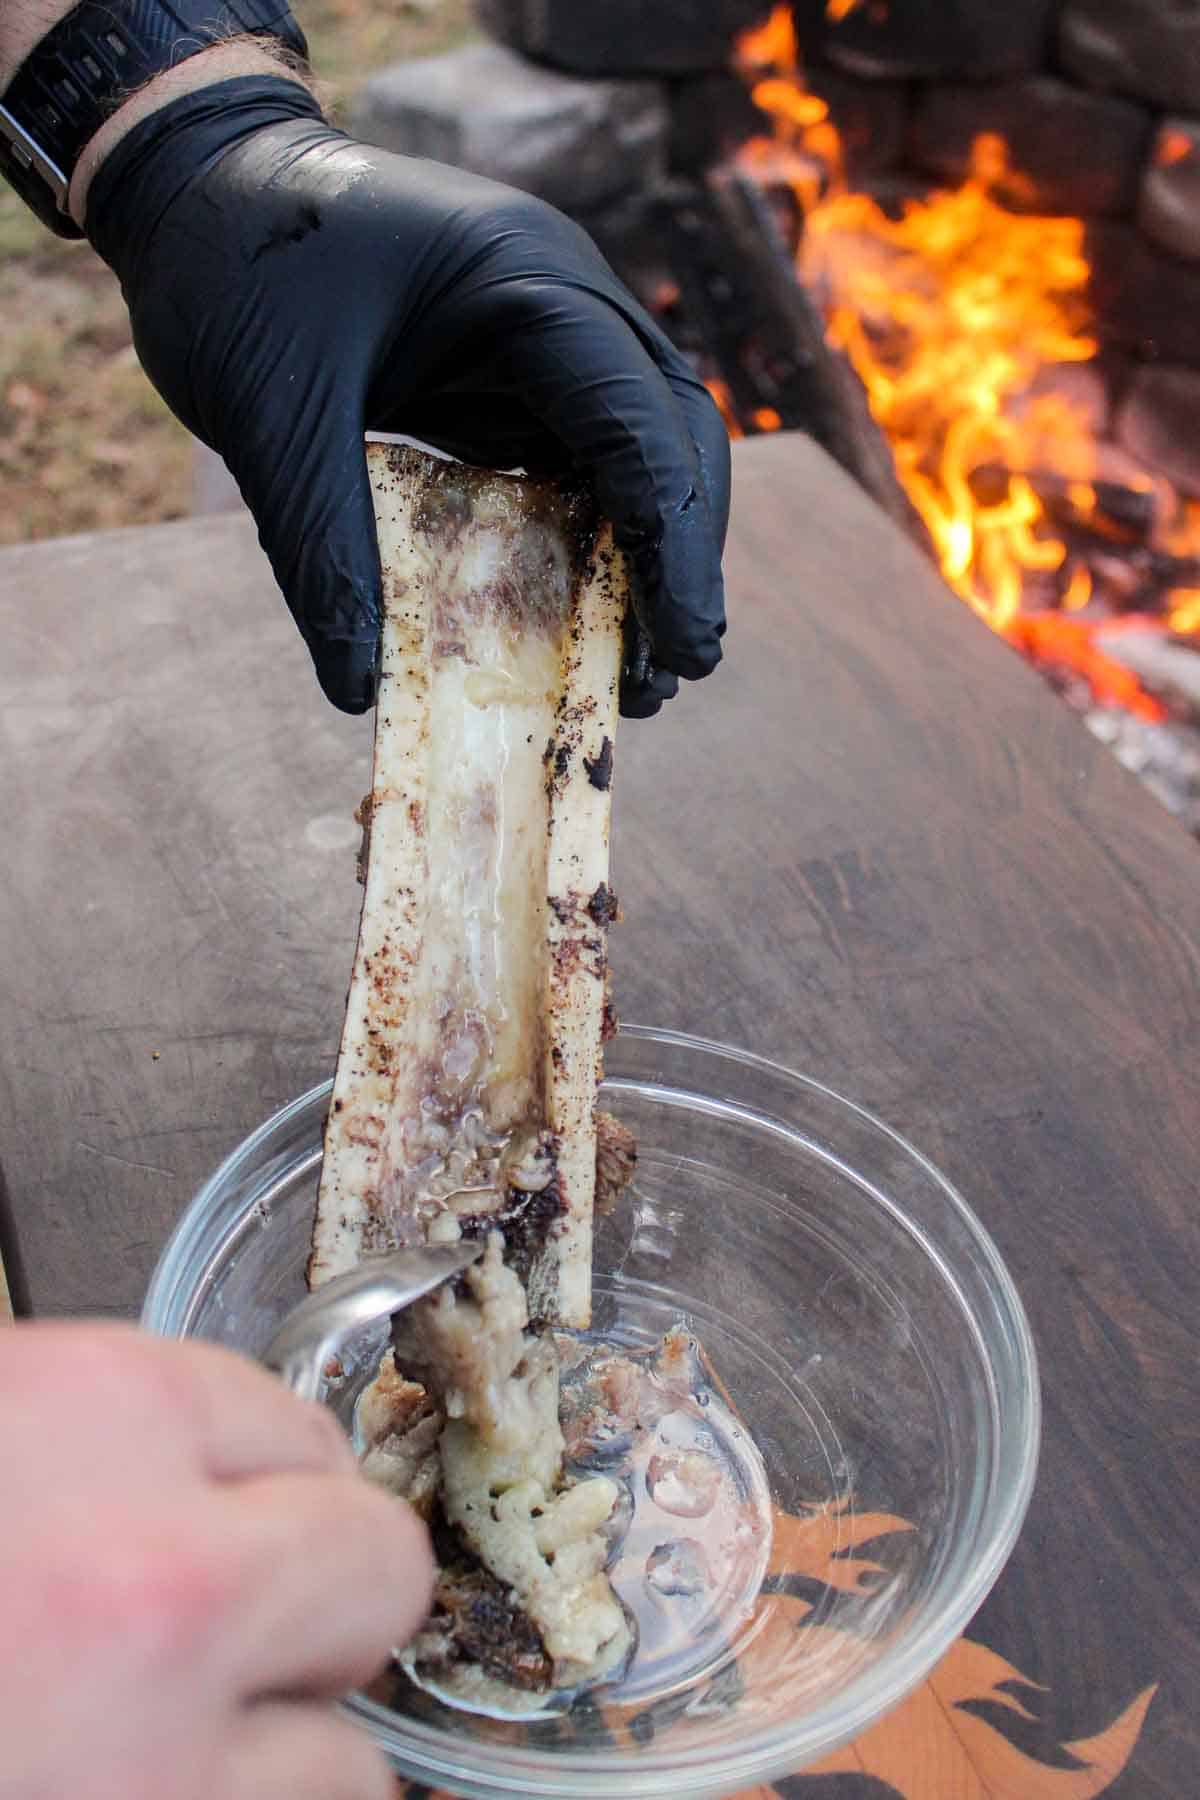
{"x": 1110, "y": 509}
{"x": 738, "y": 283}
{"x": 1110, "y": 529}
{"x": 1150, "y": 579}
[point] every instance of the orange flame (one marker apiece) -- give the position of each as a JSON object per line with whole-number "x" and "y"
{"x": 948, "y": 314}
{"x": 787, "y": 103}
{"x": 951, "y": 314}
{"x": 724, "y": 399}
{"x": 1183, "y": 603}
{"x": 1049, "y": 638}
{"x": 771, "y": 44}
{"x": 1184, "y": 616}
{"x": 1078, "y": 590}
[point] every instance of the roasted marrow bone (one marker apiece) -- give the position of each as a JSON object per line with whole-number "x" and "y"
{"x": 464, "y": 1099}
{"x": 472, "y": 1042}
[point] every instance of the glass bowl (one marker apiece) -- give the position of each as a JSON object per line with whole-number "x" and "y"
{"x": 857, "y": 1322}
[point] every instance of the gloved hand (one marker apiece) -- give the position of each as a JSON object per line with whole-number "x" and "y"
{"x": 290, "y": 288}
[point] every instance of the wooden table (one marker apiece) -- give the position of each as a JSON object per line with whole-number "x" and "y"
{"x": 873, "y": 847}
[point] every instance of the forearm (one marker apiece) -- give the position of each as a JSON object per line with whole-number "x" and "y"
{"x": 24, "y": 22}
{"x": 241, "y": 56}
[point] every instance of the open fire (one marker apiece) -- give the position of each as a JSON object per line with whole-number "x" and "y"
{"x": 1002, "y": 349}
{"x": 965, "y": 314}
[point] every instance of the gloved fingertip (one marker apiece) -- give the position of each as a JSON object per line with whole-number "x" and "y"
{"x": 685, "y": 606}
{"x": 693, "y": 662}
{"x": 346, "y": 672}
{"x": 643, "y": 693}
{"x": 639, "y": 706}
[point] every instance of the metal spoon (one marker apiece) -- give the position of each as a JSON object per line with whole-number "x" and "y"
{"x": 378, "y": 1287}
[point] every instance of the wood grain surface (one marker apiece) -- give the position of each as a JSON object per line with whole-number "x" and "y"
{"x": 873, "y": 846}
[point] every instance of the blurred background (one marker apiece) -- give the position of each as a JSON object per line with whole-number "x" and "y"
{"x": 84, "y": 439}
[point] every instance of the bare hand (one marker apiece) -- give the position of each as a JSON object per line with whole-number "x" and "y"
{"x": 191, "y": 1570}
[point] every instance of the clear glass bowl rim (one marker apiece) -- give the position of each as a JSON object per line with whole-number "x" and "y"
{"x": 426, "y": 1753}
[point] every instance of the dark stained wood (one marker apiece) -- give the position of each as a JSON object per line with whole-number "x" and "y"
{"x": 873, "y": 846}
{"x": 177, "y": 930}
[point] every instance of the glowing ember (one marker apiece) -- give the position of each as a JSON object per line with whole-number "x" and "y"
{"x": 1070, "y": 643}
{"x": 1174, "y": 146}
{"x": 955, "y": 316}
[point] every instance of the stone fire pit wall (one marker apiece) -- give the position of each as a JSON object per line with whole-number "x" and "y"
{"x": 590, "y": 103}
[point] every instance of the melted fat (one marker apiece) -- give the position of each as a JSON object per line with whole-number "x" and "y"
{"x": 477, "y": 1007}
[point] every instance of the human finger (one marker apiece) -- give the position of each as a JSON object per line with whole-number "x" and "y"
{"x": 328, "y": 1575}
{"x": 243, "y": 1423}
{"x": 583, "y": 372}
{"x": 644, "y": 688}
{"x": 604, "y": 396}
{"x": 190, "y": 1404}
{"x": 295, "y": 1750}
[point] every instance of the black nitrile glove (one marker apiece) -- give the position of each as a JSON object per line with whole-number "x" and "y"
{"x": 290, "y": 288}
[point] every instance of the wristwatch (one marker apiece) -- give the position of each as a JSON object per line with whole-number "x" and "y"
{"x": 88, "y": 64}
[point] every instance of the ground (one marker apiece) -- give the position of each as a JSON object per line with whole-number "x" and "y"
{"x": 84, "y": 439}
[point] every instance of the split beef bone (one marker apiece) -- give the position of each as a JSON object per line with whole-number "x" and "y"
{"x": 464, "y": 1099}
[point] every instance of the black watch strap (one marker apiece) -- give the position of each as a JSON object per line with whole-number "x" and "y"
{"x": 91, "y": 61}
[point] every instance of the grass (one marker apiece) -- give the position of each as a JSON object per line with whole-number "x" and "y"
{"x": 350, "y": 39}
{"x": 85, "y": 442}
